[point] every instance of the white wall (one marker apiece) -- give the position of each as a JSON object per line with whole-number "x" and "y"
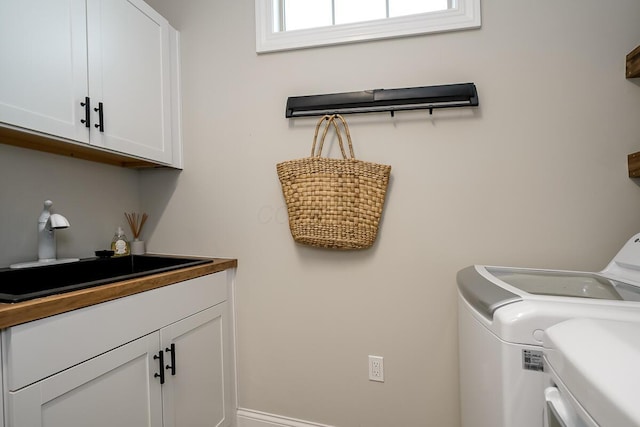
{"x": 535, "y": 177}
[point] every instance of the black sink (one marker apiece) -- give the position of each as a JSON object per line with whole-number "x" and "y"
{"x": 24, "y": 284}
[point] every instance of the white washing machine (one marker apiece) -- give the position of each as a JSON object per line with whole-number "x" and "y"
{"x": 502, "y": 315}
{"x": 592, "y": 371}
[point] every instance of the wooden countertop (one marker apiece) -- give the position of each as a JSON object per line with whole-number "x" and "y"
{"x": 22, "y": 312}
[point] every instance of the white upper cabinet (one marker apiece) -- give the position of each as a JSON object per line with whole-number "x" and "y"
{"x": 115, "y": 54}
{"x": 129, "y": 68}
{"x": 43, "y": 72}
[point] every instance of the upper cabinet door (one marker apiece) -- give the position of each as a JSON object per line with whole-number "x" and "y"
{"x": 130, "y": 74}
{"x": 43, "y": 71}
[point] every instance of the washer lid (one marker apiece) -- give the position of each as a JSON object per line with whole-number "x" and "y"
{"x": 597, "y": 361}
{"x": 566, "y": 283}
{"x": 485, "y": 296}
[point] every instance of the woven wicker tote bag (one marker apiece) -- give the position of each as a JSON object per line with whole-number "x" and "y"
{"x": 334, "y": 203}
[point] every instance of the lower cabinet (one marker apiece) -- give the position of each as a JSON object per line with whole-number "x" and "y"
{"x": 196, "y": 385}
{"x": 177, "y": 376}
{"x": 114, "y": 389}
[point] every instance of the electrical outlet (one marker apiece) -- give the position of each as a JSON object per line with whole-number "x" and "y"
{"x": 376, "y": 368}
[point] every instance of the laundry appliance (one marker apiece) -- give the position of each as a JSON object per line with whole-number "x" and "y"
{"x": 503, "y": 313}
{"x": 591, "y": 367}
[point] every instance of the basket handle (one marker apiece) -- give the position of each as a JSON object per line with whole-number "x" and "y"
{"x": 346, "y": 131}
{"x": 331, "y": 119}
{"x": 315, "y": 136}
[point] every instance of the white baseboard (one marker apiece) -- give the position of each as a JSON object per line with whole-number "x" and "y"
{"x": 249, "y": 418}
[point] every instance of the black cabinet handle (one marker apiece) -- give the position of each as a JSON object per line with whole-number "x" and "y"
{"x": 172, "y": 350}
{"x": 99, "y": 110}
{"x": 87, "y": 112}
{"x": 160, "y": 375}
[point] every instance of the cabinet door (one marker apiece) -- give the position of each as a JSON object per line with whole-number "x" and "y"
{"x": 198, "y": 394}
{"x": 43, "y": 66}
{"x": 129, "y": 73}
{"x": 117, "y": 388}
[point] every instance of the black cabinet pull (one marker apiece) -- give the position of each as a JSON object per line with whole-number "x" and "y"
{"x": 87, "y": 112}
{"x": 160, "y": 375}
{"x": 99, "y": 110}
{"x": 172, "y": 350}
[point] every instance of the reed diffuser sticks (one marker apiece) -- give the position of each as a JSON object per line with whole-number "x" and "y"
{"x": 136, "y": 222}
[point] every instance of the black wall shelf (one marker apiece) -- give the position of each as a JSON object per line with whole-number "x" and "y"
{"x": 384, "y": 100}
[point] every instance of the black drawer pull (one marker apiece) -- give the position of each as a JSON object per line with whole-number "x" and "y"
{"x": 87, "y": 112}
{"x": 172, "y": 350}
{"x": 160, "y": 375}
{"x": 100, "y": 111}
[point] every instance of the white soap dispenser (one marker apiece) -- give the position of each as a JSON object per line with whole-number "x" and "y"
{"x": 120, "y": 244}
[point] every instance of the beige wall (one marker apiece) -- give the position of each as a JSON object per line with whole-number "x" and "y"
{"x": 92, "y": 196}
{"x": 535, "y": 177}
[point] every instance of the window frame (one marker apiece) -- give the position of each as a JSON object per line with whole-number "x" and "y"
{"x": 466, "y": 15}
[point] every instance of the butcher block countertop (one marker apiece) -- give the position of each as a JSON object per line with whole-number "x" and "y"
{"x": 22, "y": 312}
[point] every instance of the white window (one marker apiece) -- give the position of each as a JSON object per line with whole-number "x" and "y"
{"x": 293, "y": 24}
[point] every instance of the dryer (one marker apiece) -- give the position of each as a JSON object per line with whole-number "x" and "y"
{"x": 591, "y": 367}
{"x": 502, "y": 315}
